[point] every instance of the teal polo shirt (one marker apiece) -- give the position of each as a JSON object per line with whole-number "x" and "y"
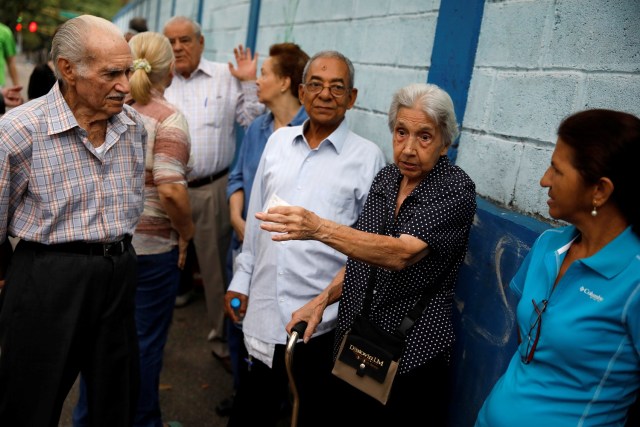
{"x": 586, "y": 367}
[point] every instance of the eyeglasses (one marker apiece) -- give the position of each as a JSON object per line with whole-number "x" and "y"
{"x": 532, "y": 341}
{"x": 336, "y": 90}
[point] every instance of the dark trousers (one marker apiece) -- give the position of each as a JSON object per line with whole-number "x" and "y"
{"x": 419, "y": 397}
{"x": 158, "y": 278}
{"x": 61, "y": 314}
{"x": 259, "y": 399}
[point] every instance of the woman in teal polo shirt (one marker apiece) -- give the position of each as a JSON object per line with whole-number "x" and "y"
{"x": 578, "y": 359}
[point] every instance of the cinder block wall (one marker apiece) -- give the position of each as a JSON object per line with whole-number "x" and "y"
{"x": 538, "y": 61}
{"x": 389, "y": 41}
{"x": 373, "y": 34}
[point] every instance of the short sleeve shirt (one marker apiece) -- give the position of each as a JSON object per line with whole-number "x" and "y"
{"x": 167, "y": 162}
{"x": 7, "y": 50}
{"x": 439, "y": 211}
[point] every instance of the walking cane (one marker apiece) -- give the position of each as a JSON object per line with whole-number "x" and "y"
{"x": 296, "y": 331}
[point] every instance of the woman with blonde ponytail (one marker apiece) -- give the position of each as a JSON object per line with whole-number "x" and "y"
{"x": 152, "y": 66}
{"x": 165, "y": 228}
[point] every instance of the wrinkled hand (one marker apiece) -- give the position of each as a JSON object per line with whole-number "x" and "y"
{"x": 311, "y": 313}
{"x": 12, "y": 96}
{"x": 229, "y": 312}
{"x": 290, "y": 223}
{"x": 247, "y": 64}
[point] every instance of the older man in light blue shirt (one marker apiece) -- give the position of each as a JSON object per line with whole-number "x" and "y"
{"x": 328, "y": 169}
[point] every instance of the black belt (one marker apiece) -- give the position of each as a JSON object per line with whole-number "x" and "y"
{"x": 83, "y": 248}
{"x": 207, "y": 179}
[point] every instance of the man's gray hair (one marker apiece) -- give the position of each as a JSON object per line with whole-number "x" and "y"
{"x": 433, "y": 101}
{"x": 70, "y": 40}
{"x": 331, "y": 54}
{"x": 197, "y": 29}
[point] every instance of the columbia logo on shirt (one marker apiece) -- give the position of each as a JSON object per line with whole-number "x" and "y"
{"x": 590, "y": 294}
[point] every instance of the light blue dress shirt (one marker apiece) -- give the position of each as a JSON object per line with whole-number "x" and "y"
{"x": 250, "y": 151}
{"x": 333, "y": 181}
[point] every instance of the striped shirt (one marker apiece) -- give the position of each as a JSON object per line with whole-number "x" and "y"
{"x": 166, "y": 163}
{"x": 55, "y": 187}
{"x": 213, "y": 100}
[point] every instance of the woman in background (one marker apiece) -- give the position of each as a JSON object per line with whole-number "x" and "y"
{"x": 578, "y": 359}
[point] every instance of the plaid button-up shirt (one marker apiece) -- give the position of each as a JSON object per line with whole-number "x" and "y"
{"x": 56, "y": 187}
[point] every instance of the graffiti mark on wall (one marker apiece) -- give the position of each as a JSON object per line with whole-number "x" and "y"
{"x": 506, "y": 256}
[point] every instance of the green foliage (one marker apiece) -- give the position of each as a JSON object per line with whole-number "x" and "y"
{"x": 49, "y": 14}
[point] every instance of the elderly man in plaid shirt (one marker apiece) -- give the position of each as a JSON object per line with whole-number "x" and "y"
{"x": 72, "y": 190}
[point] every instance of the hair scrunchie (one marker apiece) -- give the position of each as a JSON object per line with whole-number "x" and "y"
{"x": 142, "y": 64}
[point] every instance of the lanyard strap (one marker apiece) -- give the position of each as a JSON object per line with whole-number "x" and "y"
{"x": 414, "y": 313}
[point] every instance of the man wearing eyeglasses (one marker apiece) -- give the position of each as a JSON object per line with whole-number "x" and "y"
{"x": 325, "y": 167}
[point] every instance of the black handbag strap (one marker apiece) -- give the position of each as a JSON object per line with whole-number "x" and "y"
{"x": 412, "y": 316}
{"x": 416, "y": 311}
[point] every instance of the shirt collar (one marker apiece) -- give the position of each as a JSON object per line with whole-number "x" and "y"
{"x": 60, "y": 118}
{"x": 337, "y": 138}
{"x": 419, "y": 192}
{"x": 204, "y": 67}
{"x": 616, "y": 255}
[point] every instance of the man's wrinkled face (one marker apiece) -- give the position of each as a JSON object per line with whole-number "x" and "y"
{"x": 325, "y": 108}
{"x": 102, "y": 83}
{"x": 187, "y": 46}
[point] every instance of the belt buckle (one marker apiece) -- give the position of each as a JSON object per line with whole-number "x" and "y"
{"x": 106, "y": 249}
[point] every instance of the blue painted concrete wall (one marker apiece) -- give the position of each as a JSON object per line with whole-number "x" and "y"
{"x": 484, "y": 309}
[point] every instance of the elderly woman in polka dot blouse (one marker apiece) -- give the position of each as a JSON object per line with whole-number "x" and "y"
{"x": 412, "y": 235}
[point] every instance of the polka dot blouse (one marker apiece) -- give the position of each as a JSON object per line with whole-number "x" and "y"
{"x": 438, "y": 211}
